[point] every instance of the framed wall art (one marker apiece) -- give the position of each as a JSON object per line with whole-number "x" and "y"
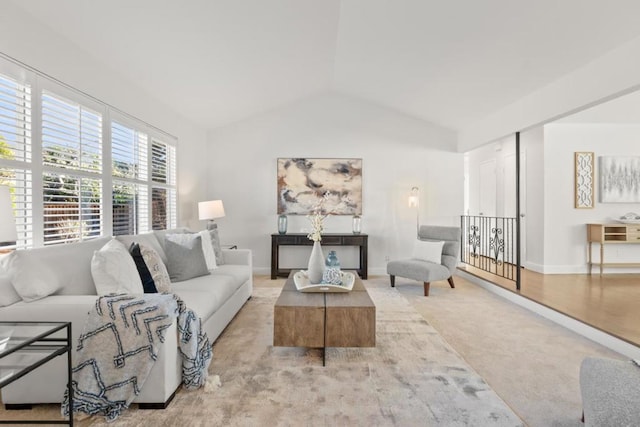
{"x": 619, "y": 179}
{"x": 584, "y": 180}
{"x": 303, "y": 182}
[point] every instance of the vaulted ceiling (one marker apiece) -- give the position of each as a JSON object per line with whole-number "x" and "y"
{"x": 449, "y": 62}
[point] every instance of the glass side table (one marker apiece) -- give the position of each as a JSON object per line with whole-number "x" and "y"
{"x": 24, "y": 346}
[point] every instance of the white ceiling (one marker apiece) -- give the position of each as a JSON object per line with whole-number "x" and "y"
{"x": 448, "y": 62}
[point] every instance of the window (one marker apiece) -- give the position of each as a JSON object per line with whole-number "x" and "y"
{"x": 131, "y": 188}
{"x": 71, "y": 143}
{"x": 15, "y": 152}
{"x": 70, "y": 184}
{"x": 163, "y": 197}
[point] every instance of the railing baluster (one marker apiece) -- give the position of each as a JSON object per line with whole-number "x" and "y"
{"x": 489, "y": 244}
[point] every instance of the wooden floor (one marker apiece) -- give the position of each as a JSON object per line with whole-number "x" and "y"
{"x": 610, "y": 302}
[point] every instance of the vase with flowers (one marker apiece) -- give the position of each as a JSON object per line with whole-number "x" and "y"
{"x": 315, "y": 269}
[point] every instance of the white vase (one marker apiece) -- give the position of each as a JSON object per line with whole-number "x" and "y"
{"x": 316, "y": 264}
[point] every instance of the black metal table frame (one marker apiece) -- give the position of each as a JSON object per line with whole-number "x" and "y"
{"x": 59, "y": 349}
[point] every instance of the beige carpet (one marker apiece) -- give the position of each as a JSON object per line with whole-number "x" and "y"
{"x": 530, "y": 362}
{"x": 412, "y": 377}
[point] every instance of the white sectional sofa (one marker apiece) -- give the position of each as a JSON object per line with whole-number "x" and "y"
{"x": 216, "y": 298}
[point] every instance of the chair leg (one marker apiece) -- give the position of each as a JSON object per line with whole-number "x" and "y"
{"x": 426, "y": 289}
{"x": 450, "y": 279}
{"x": 393, "y": 280}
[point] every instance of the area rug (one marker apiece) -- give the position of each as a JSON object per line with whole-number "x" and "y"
{"x": 411, "y": 378}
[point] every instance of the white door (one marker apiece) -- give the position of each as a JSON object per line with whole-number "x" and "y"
{"x": 487, "y": 188}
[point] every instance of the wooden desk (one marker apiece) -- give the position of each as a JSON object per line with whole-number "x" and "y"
{"x": 605, "y": 234}
{"x": 329, "y": 239}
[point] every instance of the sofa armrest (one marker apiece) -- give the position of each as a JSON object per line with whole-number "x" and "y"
{"x": 237, "y": 256}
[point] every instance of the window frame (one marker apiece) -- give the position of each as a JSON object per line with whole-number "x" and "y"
{"x": 38, "y": 83}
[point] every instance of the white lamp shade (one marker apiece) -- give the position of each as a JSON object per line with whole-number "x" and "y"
{"x": 210, "y": 210}
{"x": 8, "y": 231}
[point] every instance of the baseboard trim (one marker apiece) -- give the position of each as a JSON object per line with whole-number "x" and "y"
{"x": 616, "y": 344}
{"x": 162, "y": 405}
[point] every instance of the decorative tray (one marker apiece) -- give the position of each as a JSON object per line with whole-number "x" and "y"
{"x": 304, "y": 285}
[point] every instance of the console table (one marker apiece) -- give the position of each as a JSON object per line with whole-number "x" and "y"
{"x": 329, "y": 239}
{"x": 605, "y": 234}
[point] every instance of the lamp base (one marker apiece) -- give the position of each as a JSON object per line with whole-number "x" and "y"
{"x": 211, "y": 225}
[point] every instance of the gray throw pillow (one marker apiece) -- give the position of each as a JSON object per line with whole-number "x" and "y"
{"x": 215, "y": 241}
{"x": 185, "y": 261}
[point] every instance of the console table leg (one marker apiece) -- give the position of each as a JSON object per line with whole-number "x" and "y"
{"x": 601, "y": 257}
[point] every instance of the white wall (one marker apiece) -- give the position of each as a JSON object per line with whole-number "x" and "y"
{"x": 565, "y": 245}
{"x": 398, "y": 152}
{"x": 611, "y": 75}
{"x": 35, "y": 44}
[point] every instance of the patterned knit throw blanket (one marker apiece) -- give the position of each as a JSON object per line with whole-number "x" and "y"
{"x": 119, "y": 345}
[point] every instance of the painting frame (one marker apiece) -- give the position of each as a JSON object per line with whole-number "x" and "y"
{"x": 584, "y": 175}
{"x": 303, "y": 182}
{"x": 619, "y": 179}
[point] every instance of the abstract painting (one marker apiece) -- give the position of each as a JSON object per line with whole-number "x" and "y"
{"x": 304, "y": 182}
{"x": 619, "y": 179}
{"x": 584, "y": 180}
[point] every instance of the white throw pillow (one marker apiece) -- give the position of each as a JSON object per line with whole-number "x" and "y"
{"x": 114, "y": 271}
{"x": 428, "y": 251}
{"x": 8, "y": 294}
{"x": 31, "y": 280}
{"x": 207, "y": 248}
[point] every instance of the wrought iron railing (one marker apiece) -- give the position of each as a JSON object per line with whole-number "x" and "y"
{"x": 489, "y": 244}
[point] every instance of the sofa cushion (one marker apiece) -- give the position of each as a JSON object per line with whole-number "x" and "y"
{"x": 206, "y": 294}
{"x": 114, "y": 271}
{"x": 54, "y": 308}
{"x": 148, "y": 284}
{"x": 147, "y": 239}
{"x": 8, "y": 294}
{"x": 68, "y": 264}
{"x": 162, "y": 234}
{"x": 207, "y": 248}
{"x": 185, "y": 260}
{"x": 31, "y": 278}
{"x": 240, "y": 273}
{"x": 157, "y": 268}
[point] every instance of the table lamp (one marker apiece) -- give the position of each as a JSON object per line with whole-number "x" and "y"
{"x": 8, "y": 233}
{"x": 209, "y": 211}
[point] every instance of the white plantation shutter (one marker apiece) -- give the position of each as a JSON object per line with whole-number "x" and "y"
{"x": 20, "y": 184}
{"x": 15, "y": 153}
{"x": 128, "y": 152}
{"x": 130, "y": 208}
{"x": 71, "y": 135}
{"x": 163, "y": 197}
{"x": 72, "y": 176}
{"x": 15, "y": 120}
{"x": 72, "y": 208}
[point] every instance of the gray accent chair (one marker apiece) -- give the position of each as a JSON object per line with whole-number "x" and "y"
{"x": 425, "y": 271}
{"x": 610, "y": 392}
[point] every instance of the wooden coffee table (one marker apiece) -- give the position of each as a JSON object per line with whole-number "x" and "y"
{"x": 321, "y": 320}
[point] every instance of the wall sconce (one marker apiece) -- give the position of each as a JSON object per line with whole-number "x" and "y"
{"x": 414, "y": 202}
{"x": 210, "y": 211}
